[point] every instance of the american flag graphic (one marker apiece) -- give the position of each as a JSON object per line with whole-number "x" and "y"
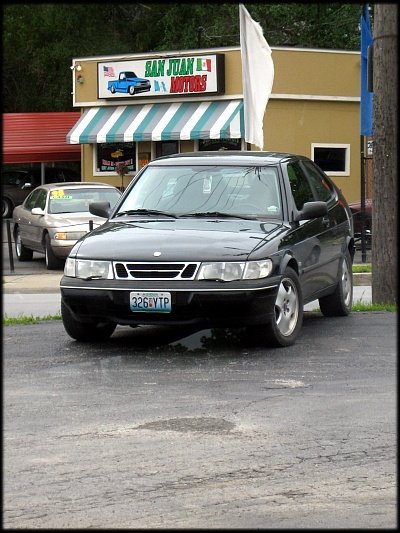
{"x": 109, "y": 71}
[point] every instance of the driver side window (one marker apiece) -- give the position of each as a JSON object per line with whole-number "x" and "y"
{"x": 31, "y": 201}
{"x": 301, "y": 189}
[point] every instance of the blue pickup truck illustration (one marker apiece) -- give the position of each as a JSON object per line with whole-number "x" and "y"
{"x": 129, "y": 83}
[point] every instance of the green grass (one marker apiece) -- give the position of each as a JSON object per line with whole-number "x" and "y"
{"x": 358, "y": 306}
{"x": 361, "y": 268}
{"x": 26, "y": 320}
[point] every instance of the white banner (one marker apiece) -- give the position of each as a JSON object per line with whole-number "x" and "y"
{"x": 257, "y": 76}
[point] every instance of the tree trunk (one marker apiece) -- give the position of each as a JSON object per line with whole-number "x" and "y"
{"x": 384, "y": 218}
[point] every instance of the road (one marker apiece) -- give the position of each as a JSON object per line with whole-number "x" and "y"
{"x": 203, "y": 430}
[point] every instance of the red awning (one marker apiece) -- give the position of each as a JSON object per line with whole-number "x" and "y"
{"x": 39, "y": 137}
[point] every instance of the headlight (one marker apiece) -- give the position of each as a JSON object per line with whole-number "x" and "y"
{"x": 230, "y": 271}
{"x": 69, "y": 235}
{"x": 88, "y": 269}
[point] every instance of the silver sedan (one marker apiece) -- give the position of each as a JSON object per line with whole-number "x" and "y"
{"x": 54, "y": 216}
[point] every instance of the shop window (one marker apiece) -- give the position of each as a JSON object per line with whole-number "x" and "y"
{"x": 143, "y": 159}
{"x": 109, "y": 154}
{"x": 219, "y": 144}
{"x": 166, "y": 148}
{"x": 334, "y": 159}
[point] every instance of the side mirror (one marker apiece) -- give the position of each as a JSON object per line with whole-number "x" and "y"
{"x": 26, "y": 185}
{"x": 100, "y": 209}
{"x": 37, "y": 211}
{"x": 312, "y": 210}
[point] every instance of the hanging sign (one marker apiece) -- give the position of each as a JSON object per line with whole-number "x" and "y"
{"x": 167, "y": 76}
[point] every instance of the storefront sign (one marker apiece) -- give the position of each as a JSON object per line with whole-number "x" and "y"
{"x": 169, "y": 76}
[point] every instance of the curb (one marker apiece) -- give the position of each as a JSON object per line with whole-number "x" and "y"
{"x": 362, "y": 278}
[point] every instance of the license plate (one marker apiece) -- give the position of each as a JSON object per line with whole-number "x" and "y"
{"x": 150, "y": 302}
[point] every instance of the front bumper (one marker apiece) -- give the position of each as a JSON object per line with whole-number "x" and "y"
{"x": 212, "y": 304}
{"x": 62, "y": 251}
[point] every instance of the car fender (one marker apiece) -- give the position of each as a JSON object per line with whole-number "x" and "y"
{"x": 351, "y": 246}
{"x": 288, "y": 260}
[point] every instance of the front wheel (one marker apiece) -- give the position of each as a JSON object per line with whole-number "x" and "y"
{"x": 85, "y": 331}
{"x": 52, "y": 261}
{"x": 339, "y": 303}
{"x": 22, "y": 253}
{"x": 287, "y": 316}
{"x": 131, "y": 90}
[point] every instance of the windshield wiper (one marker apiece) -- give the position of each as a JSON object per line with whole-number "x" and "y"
{"x": 144, "y": 212}
{"x": 218, "y": 214}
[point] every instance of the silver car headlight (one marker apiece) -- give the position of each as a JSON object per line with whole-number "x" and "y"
{"x": 231, "y": 271}
{"x": 88, "y": 269}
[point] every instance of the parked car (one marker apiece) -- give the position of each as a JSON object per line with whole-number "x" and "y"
{"x": 17, "y": 184}
{"x": 54, "y": 216}
{"x": 215, "y": 239}
{"x": 355, "y": 208}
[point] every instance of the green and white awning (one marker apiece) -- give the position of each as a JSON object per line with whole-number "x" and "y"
{"x": 222, "y": 119}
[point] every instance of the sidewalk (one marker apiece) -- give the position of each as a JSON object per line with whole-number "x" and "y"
{"x": 32, "y": 283}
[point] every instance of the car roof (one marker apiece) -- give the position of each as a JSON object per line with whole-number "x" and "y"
{"x": 74, "y": 184}
{"x": 230, "y": 157}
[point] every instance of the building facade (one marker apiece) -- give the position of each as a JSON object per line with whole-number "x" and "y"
{"x": 137, "y": 107}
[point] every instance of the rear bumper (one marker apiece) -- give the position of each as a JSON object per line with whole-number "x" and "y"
{"x": 217, "y": 308}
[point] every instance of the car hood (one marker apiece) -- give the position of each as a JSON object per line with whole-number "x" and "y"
{"x": 73, "y": 220}
{"x": 178, "y": 240}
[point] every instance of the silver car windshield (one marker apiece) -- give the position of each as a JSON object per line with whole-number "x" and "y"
{"x": 78, "y": 200}
{"x": 185, "y": 190}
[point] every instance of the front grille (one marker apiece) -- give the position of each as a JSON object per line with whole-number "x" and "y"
{"x": 155, "y": 271}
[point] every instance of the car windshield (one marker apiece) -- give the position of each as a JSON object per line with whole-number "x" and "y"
{"x": 78, "y": 200}
{"x": 189, "y": 190}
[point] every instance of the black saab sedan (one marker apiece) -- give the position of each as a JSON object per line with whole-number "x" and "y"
{"x": 214, "y": 239}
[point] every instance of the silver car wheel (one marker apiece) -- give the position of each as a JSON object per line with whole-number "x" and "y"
{"x": 346, "y": 283}
{"x": 286, "y": 307}
{"x": 18, "y": 244}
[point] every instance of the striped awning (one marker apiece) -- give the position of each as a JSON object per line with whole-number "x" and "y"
{"x": 222, "y": 119}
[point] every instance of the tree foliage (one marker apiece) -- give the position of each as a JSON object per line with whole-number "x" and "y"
{"x": 40, "y": 40}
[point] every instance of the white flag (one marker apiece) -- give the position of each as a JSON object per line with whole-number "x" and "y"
{"x": 257, "y": 76}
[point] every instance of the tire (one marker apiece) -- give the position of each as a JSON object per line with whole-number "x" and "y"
{"x": 22, "y": 253}
{"x": 287, "y": 318}
{"x": 52, "y": 261}
{"x": 339, "y": 303}
{"x": 6, "y": 208}
{"x": 85, "y": 331}
{"x": 131, "y": 90}
{"x": 112, "y": 89}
